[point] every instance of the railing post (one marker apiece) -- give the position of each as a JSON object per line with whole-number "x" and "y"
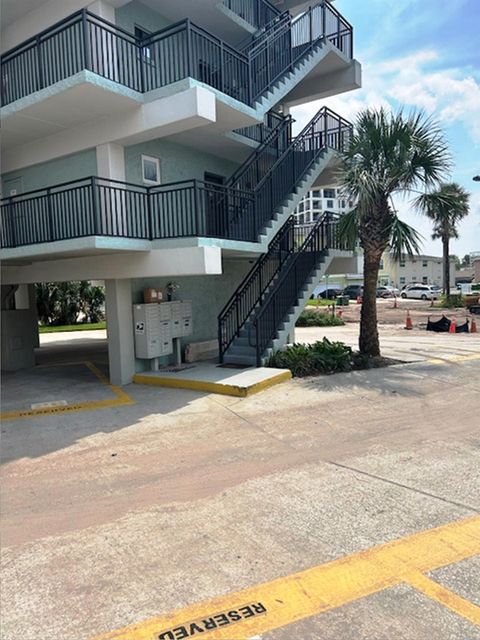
{"x": 12, "y": 223}
{"x": 325, "y": 129}
{"x": 189, "y": 50}
{"x": 196, "y": 200}
{"x": 324, "y": 19}
{"x": 220, "y": 341}
{"x": 340, "y": 146}
{"x": 237, "y": 316}
{"x": 95, "y": 208}
{"x": 338, "y": 33}
{"x": 41, "y": 75}
{"x": 86, "y": 41}
{"x": 49, "y": 215}
{"x": 311, "y": 25}
{"x": 257, "y": 346}
{"x": 222, "y": 67}
{"x": 149, "y": 214}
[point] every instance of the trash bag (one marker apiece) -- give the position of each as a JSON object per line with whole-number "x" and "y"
{"x": 462, "y": 328}
{"x": 442, "y": 325}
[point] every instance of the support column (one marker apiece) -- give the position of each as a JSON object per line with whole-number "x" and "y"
{"x": 121, "y": 348}
{"x": 19, "y": 328}
{"x": 114, "y": 206}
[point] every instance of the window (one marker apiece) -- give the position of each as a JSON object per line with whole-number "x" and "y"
{"x": 424, "y": 263}
{"x": 402, "y": 279}
{"x": 301, "y": 219}
{"x": 301, "y": 207}
{"x": 317, "y": 204}
{"x": 425, "y": 279}
{"x": 329, "y": 204}
{"x": 329, "y": 193}
{"x": 150, "y": 170}
{"x": 142, "y": 34}
{"x": 343, "y": 204}
{"x": 402, "y": 263}
{"x": 317, "y": 193}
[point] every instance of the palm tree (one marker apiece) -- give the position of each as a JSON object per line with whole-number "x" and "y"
{"x": 446, "y": 207}
{"x": 387, "y": 154}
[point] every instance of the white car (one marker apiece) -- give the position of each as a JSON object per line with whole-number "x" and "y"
{"x": 421, "y": 292}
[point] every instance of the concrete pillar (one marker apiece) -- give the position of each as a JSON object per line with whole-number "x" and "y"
{"x": 19, "y": 330}
{"x": 103, "y": 9}
{"x": 111, "y": 161}
{"x": 121, "y": 348}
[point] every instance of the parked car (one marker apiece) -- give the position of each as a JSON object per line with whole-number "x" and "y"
{"x": 387, "y": 291}
{"x": 353, "y": 291}
{"x": 421, "y": 292}
{"x": 330, "y": 292}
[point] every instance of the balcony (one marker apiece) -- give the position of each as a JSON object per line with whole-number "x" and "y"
{"x": 85, "y": 42}
{"x": 243, "y": 210}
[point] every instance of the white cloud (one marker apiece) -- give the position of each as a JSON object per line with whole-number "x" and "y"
{"x": 452, "y": 98}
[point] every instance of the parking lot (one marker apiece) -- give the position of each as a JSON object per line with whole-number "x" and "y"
{"x": 334, "y": 507}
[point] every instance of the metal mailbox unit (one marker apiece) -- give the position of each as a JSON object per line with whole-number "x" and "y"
{"x": 157, "y": 325}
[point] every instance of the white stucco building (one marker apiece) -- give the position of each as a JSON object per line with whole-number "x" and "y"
{"x": 147, "y": 141}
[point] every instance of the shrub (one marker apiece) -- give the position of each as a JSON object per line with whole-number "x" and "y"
{"x": 321, "y": 357}
{"x": 314, "y": 319}
{"x": 62, "y": 303}
{"x": 451, "y": 301}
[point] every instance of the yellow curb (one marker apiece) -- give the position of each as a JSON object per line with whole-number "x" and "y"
{"x": 212, "y": 387}
{"x": 121, "y": 398}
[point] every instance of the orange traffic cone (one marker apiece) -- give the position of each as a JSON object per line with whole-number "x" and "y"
{"x": 339, "y": 313}
{"x": 408, "y": 321}
{"x": 359, "y": 299}
{"x": 395, "y": 305}
{"x": 453, "y": 326}
{"x": 473, "y": 326}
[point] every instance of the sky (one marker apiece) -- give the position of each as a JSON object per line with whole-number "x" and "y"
{"x": 422, "y": 54}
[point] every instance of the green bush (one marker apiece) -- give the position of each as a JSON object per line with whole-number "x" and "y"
{"x": 62, "y": 303}
{"x": 321, "y": 357}
{"x": 451, "y": 301}
{"x": 314, "y": 319}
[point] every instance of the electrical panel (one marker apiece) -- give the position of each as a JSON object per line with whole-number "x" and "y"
{"x": 156, "y": 325}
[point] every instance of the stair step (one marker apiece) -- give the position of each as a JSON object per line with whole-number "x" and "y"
{"x": 240, "y": 360}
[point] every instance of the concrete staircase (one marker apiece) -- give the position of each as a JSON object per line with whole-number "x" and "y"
{"x": 242, "y": 350}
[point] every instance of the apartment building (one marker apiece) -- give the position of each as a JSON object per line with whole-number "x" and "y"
{"x": 421, "y": 268}
{"x": 149, "y": 142}
{"x": 317, "y": 201}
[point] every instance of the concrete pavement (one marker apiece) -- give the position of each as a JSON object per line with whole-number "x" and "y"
{"x": 116, "y": 516}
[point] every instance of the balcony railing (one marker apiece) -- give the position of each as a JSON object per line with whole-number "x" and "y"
{"x": 256, "y": 12}
{"x": 238, "y": 210}
{"x": 85, "y": 41}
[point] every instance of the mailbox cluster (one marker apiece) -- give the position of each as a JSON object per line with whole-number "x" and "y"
{"x": 157, "y": 325}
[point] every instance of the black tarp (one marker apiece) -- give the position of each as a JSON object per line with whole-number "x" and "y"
{"x": 442, "y": 325}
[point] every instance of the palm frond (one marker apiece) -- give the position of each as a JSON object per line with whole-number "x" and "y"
{"x": 403, "y": 238}
{"x": 347, "y": 229}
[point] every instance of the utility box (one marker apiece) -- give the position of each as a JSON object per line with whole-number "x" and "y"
{"x": 182, "y": 324}
{"x": 149, "y": 333}
{"x": 156, "y": 325}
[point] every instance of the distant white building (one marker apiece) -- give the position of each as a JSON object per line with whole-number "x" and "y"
{"x": 422, "y": 269}
{"x": 319, "y": 200}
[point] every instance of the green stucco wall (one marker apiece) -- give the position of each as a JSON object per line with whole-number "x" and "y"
{"x": 177, "y": 162}
{"x": 72, "y": 167}
{"x": 208, "y": 294}
{"x": 135, "y": 14}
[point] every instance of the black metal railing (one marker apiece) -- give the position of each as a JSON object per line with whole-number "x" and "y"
{"x": 293, "y": 276}
{"x": 260, "y": 132}
{"x": 84, "y": 41}
{"x": 238, "y": 210}
{"x": 256, "y": 12}
{"x": 99, "y": 207}
{"x": 250, "y": 292}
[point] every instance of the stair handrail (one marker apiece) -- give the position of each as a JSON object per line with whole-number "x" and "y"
{"x": 254, "y": 286}
{"x": 284, "y": 124}
{"x": 321, "y": 238}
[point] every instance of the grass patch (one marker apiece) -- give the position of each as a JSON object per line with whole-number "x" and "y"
{"x": 323, "y": 357}
{"x": 92, "y": 326}
{"x": 320, "y": 302}
{"x": 310, "y": 318}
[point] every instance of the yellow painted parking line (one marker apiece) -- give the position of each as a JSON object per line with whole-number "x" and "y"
{"x": 261, "y": 608}
{"x": 121, "y": 398}
{"x": 445, "y": 597}
{"x": 454, "y": 358}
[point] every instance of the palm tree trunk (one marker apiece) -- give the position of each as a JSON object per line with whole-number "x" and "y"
{"x": 446, "y": 267}
{"x": 368, "y": 342}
